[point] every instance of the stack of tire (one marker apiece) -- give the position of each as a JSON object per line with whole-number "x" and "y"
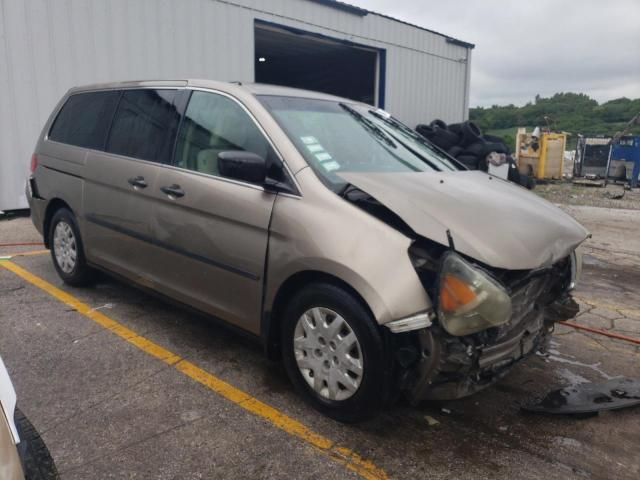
{"x": 466, "y": 143}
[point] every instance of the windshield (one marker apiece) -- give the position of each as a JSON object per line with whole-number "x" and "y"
{"x": 339, "y": 137}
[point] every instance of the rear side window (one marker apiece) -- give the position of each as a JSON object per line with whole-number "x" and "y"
{"x": 145, "y": 125}
{"x": 84, "y": 119}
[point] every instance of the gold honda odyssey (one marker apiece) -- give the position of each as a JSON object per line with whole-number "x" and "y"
{"x": 364, "y": 257}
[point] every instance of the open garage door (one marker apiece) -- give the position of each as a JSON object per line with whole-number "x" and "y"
{"x": 294, "y": 58}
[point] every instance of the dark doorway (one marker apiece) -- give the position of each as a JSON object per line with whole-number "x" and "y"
{"x": 305, "y": 60}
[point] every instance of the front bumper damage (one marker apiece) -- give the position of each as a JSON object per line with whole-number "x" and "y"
{"x": 438, "y": 366}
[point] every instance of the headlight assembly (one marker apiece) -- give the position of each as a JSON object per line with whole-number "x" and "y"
{"x": 469, "y": 300}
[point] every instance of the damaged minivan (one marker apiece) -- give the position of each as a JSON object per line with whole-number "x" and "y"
{"x": 368, "y": 260}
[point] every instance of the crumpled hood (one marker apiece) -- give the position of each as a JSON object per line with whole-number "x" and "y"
{"x": 491, "y": 220}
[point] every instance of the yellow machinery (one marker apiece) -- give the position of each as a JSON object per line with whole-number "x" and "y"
{"x": 540, "y": 154}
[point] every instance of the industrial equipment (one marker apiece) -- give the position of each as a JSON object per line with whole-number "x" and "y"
{"x": 540, "y": 153}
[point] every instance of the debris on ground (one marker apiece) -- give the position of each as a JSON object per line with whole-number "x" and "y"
{"x": 614, "y": 195}
{"x": 432, "y": 422}
{"x": 587, "y": 182}
{"x": 569, "y": 193}
{"x": 588, "y": 398}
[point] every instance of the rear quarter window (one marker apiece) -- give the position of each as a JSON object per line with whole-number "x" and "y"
{"x": 84, "y": 119}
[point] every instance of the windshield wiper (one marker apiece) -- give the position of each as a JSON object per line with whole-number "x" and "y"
{"x": 369, "y": 125}
{"x": 411, "y": 134}
{"x": 395, "y": 123}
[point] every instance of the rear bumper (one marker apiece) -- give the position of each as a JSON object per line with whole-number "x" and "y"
{"x": 37, "y": 204}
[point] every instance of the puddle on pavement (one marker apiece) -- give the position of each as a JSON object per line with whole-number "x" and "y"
{"x": 555, "y": 355}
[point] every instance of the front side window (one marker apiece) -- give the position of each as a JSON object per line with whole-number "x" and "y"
{"x": 84, "y": 119}
{"x": 213, "y": 124}
{"x": 145, "y": 125}
{"x": 337, "y": 137}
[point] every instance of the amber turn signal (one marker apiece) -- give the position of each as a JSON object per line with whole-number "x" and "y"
{"x": 454, "y": 293}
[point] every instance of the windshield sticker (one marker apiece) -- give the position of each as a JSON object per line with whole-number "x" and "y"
{"x": 331, "y": 166}
{"x": 323, "y": 157}
{"x": 309, "y": 140}
{"x": 315, "y": 147}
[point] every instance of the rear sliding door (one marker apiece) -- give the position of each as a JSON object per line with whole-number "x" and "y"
{"x": 120, "y": 180}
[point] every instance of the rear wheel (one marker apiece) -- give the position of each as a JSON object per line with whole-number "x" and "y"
{"x": 333, "y": 353}
{"x": 67, "y": 251}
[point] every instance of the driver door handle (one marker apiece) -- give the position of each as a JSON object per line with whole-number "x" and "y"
{"x": 173, "y": 191}
{"x": 137, "y": 182}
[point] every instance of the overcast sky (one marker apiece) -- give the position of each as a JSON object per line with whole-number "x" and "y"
{"x": 525, "y": 47}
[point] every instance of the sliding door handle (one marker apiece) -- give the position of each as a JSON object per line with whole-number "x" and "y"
{"x": 137, "y": 182}
{"x": 173, "y": 191}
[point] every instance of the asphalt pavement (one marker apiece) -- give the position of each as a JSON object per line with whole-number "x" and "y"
{"x": 123, "y": 385}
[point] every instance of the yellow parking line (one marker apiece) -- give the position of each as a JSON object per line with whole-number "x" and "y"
{"x": 342, "y": 455}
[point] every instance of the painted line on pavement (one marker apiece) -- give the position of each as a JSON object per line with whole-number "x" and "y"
{"x": 345, "y": 456}
{"x": 23, "y": 254}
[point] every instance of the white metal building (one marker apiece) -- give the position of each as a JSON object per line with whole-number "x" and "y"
{"x": 48, "y": 46}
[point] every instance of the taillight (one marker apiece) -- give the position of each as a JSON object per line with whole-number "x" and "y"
{"x": 34, "y": 162}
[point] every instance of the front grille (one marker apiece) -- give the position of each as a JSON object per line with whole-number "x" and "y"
{"x": 525, "y": 304}
{"x": 532, "y": 292}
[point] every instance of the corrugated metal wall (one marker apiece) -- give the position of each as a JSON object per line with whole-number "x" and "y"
{"x": 48, "y": 46}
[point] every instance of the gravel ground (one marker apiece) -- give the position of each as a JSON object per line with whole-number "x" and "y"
{"x": 571, "y": 194}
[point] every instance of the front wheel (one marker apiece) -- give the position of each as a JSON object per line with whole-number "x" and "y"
{"x": 333, "y": 353}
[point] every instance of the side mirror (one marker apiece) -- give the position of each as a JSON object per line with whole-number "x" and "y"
{"x": 244, "y": 166}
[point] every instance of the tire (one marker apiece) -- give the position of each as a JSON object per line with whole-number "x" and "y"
{"x": 67, "y": 251}
{"x": 36, "y": 459}
{"x": 456, "y": 128}
{"x": 455, "y": 151}
{"x": 514, "y": 174}
{"x": 477, "y": 149}
{"x": 471, "y": 133}
{"x": 495, "y": 147}
{"x": 531, "y": 183}
{"x": 439, "y": 124}
{"x": 444, "y": 138}
{"x": 369, "y": 388}
{"x": 483, "y": 165}
{"x": 469, "y": 161}
{"x": 499, "y": 140}
{"x": 425, "y": 130}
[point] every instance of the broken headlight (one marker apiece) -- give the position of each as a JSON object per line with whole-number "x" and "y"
{"x": 468, "y": 299}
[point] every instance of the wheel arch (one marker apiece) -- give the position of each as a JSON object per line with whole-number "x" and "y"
{"x": 53, "y": 206}
{"x": 272, "y": 319}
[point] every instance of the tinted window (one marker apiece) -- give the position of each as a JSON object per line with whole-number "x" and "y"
{"x": 213, "y": 124}
{"x": 84, "y": 119}
{"x": 145, "y": 125}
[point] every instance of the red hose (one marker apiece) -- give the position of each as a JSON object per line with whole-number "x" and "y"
{"x": 602, "y": 332}
{"x": 27, "y": 244}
